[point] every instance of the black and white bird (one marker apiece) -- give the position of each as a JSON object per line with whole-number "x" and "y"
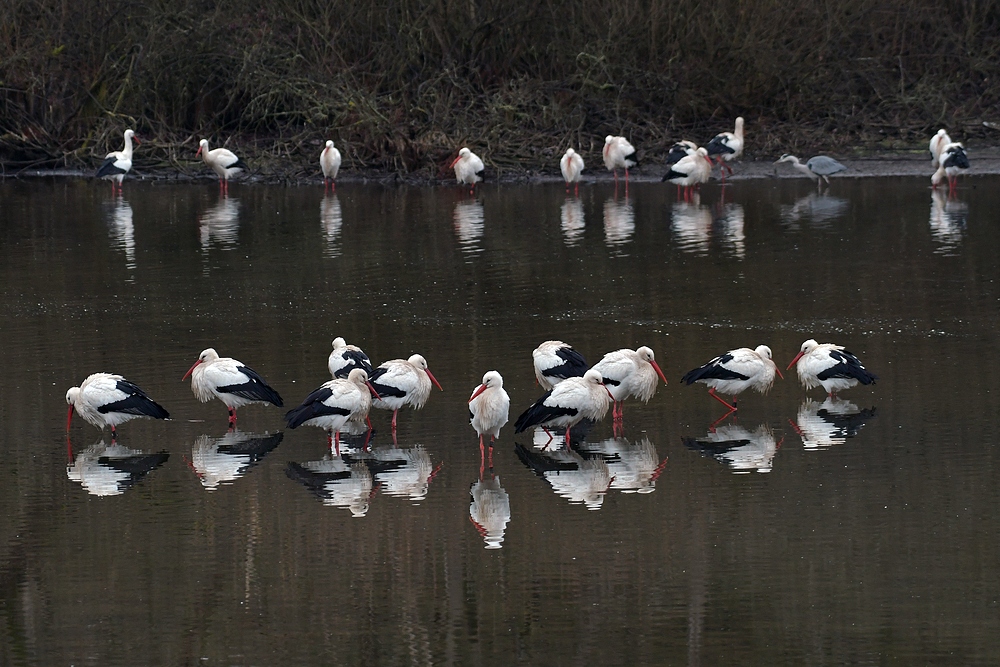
{"x": 818, "y": 167}
{"x": 938, "y": 142}
{"x": 229, "y": 381}
{"x": 345, "y": 358}
{"x": 555, "y": 361}
{"x": 402, "y": 382}
{"x": 619, "y": 154}
{"x": 329, "y": 162}
{"x": 736, "y": 371}
{"x": 726, "y": 146}
{"x": 829, "y": 366}
{"x": 629, "y": 373}
{"x": 105, "y": 399}
{"x": 571, "y": 166}
{"x": 334, "y": 405}
{"x": 223, "y": 162}
{"x": 468, "y": 168}
{"x": 489, "y": 408}
{"x": 690, "y": 172}
{"x": 680, "y": 149}
{"x": 953, "y": 161}
{"x": 118, "y": 163}
{"x": 567, "y": 404}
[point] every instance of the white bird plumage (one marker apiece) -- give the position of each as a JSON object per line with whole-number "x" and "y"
{"x": 567, "y": 404}
{"x": 953, "y": 160}
{"x": 489, "y": 407}
{"x": 571, "y": 166}
{"x": 468, "y": 168}
{"x": 334, "y": 405}
{"x": 222, "y": 161}
{"x": 938, "y": 142}
{"x": 230, "y": 381}
{"x": 829, "y": 366}
{"x": 726, "y": 146}
{"x": 736, "y": 371}
{"x": 690, "y": 171}
{"x": 329, "y": 162}
{"x": 629, "y": 373}
{"x": 106, "y": 399}
{"x": 118, "y": 163}
{"x": 346, "y": 358}
{"x": 619, "y": 154}
{"x": 402, "y": 382}
{"x": 554, "y": 361}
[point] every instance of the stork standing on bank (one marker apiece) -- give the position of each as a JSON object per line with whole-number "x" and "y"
{"x": 829, "y": 366}
{"x": 468, "y": 169}
{"x": 726, "y": 146}
{"x": 619, "y": 154}
{"x": 105, "y": 399}
{"x": 554, "y": 361}
{"x": 938, "y": 142}
{"x": 118, "y": 163}
{"x": 736, "y": 371}
{"x": 229, "y": 381}
{"x": 629, "y": 373}
{"x": 223, "y": 162}
{"x": 489, "y": 408}
{"x": 567, "y": 404}
{"x": 334, "y": 404}
{"x": 690, "y": 172}
{"x": 345, "y": 358}
{"x": 571, "y": 166}
{"x": 402, "y": 382}
{"x": 329, "y": 162}
{"x": 816, "y": 168}
{"x": 952, "y": 161}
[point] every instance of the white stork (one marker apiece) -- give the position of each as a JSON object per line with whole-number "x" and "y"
{"x": 489, "y": 408}
{"x": 334, "y": 405}
{"x": 329, "y": 162}
{"x": 468, "y": 169}
{"x": 345, "y": 358}
{"x": 402, "y": 382}
{"x": 726, "y": 146}
{"x": 118, "y": 163}
{"x": 229, "y": 381}
{"x": 223, "y": 162}
{"x": 953, "y": 160}
{"x": 571, "y": 166}
{"x": 736, "y": 371}
{"x": 629, "y": 373}
{"x": 105, "y": 399}
{"x": 829, "y": 366}
{"x": 619, "y": 154}
{"x": 555, "y": 361}
{"x": 690, "y": 171}
{"x": 567, "y": 404}
{"x": 938, "y": 142}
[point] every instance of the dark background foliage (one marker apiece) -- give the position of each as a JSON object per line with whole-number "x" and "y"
{"x": 401, "y": 85}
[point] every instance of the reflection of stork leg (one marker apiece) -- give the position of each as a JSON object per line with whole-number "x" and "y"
{"x": 711, "y": 429}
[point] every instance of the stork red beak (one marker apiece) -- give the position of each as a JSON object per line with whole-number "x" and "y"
{"x": 69, "y": 418}
{"x": 136, "y": 140}
{"x": 656, "y": 367}
{"x": 480, "y": 389}
{"x": 778, "y": 371}
{"x": 199, "y": 152}
{"x": 372, "y": 390}
{"x": 433, "y": 379}
{"x": 454, "y": 162}
{"x": 797, "y": 357}
{"x": 191, "y": 370}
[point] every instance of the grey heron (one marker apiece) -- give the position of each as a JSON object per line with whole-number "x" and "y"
{"x": 817, "y": 167}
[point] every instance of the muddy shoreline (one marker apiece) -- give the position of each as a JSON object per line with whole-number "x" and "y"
{"x": 985, "y": 161}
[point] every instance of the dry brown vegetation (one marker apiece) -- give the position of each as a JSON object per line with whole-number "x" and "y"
{"x": 401, "y": 84}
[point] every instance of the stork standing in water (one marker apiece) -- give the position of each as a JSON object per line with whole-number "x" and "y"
{"x": 629, "y": 373}
{"x": 619, "y": 154}
{"x": 223, "y": 162}
{"x": 571, "y": 166}
{"x": 468, "y": 169}
{"x": 334, "y": 405}
{"x": 329, "y": 162}
{"x": 345, "y": 358}
{"x": 229, "y": 381}
{"x": 681, "y": 149}
{"x": 567, "y": 404}
{"x": 118, "y": 163}
{"x": 105, "y": 399}
{"x": 952, "y": 161}
{"x": 690, "y": 172}
{"x": 938, "y": 142}
{"x": 831, "y": 366}
{"x": 734, "y": 372}
{"x": 402, "y": 382}
{"x": 726, "y": 146}
{"x": 816, "y": 168}
{"x": 554, "y": 361}
{"x": 489, "y": 407}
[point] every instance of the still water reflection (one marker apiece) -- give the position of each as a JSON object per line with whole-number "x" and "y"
{"x": 881, "y": 549}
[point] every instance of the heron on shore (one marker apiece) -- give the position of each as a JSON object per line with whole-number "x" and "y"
{"x": 817, "y": 167}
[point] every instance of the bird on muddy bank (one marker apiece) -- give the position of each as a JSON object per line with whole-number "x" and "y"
{"x": 329, "y": 162}
{"x": 726, "y": 146}
{"x": 223, "y": 162}
{"x": 829, "y": 366}
{"x": 818, "y": 167}
{"x": 468, "y": 169}
{"x": 118, "y": 163}
{"x": 230, "y": 381}
{"x": 106, "y": 399}
{"x": 736, "y": 371}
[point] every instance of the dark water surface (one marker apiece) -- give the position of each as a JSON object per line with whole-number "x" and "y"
{"x": 862, "y": 531}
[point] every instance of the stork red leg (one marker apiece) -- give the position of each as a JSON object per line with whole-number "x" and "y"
{"x": 732, "y": 408}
